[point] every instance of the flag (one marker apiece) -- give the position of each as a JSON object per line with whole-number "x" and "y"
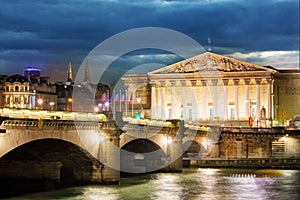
{"x": 103, "y": 97}
{"x": 107, "y": 96}
{"x": 118, "y": 98}
{"x": 124, "y": 96}
{"x": 113, "y": 96}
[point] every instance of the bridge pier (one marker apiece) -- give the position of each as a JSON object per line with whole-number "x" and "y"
{"x": 109, "y": 153}
{"x": 176, "y": 162}
{"x": 175, "y": 150}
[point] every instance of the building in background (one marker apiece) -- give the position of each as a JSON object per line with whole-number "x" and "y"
{"x": 87, "y": 96}
{"x": 64, "y": 91}
{"x": 211, "y": 87}
{"x": 30, "y": 91}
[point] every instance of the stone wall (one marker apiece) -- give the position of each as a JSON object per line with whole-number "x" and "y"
{"x": 280, "y": 163}
{"x": 30, "y": 169}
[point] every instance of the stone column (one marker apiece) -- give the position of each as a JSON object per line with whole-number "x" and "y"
{"x": 173, "y": 98}
{"x": 204, "y": 100}
{"x": 163, "y": 103}
{"x": 158, "y": 101}
{"x": 236, "y": 98}
{"x": 269, "y": 96}
{"x": 194, "y": 100}
{"x": 215, "y": 97}
{"x": 248, "y": 100}
{"x": 225, "y": 82}
{"x": 153, "y": 102}
{"x": 257, "y": 80}
{"x": 183, "y": 99}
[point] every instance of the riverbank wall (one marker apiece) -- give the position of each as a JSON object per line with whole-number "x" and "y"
{"x": 273, "y": 163}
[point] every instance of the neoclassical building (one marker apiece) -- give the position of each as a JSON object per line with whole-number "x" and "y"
{"x": 211, "y": 87}
{"x": 30, "y": 91}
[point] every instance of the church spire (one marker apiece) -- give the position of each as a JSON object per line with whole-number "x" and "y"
{"x": 70, "y": 73}
{"x": 86, "y": 72}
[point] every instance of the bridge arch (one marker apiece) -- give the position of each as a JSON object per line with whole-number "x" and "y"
{"x": 193, "y": 149}
{"x": 141, "y": 156}
{"x": 14, "y": 137}
{"x": 52, "y": 159}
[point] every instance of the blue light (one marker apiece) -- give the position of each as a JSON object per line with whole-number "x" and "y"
{"x": 137, "y": 116}
{"x": 32, "y": 69}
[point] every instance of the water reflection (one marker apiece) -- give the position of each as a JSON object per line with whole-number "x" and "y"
{"x": 100, "y": 193}
{"x": 167, "y": 186}
{"x": 191, "y": 184}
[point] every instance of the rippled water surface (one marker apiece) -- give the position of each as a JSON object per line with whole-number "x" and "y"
{"x": 191, "y": 184}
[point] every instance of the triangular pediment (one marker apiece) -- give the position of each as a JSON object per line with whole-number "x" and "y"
{"x": 210, "y": 62}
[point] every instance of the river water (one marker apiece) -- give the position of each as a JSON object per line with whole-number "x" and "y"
{"x": 193, "y": 183}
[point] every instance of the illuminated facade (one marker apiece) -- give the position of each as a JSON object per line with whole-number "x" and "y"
{"x": 210, "y": 87}
{"x": 30, "y": 91}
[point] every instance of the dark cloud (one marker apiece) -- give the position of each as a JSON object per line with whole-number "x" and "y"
{"x": 55, "y": 31}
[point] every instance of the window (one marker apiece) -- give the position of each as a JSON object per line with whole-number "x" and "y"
{"x": 16, "y": 88}
{"x": 232, "y": 113}
{"x": 190, "y": 114}
{"x": 25, "y": 88}
{"x": 16, "y": 99}
{"x": 253, "y": 113}
{"x": 7, "y": 89}
{"x": 211, "y": 115}
{"x": 170, "y": 113}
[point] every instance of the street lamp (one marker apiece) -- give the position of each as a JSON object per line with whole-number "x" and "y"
{"x": 139, "y": 102}
{"x": 69, "y": 105}
{"x": 106, "y": 104}
{"x": 51, "y": 104}
{"x": 250, "y": 112}
{"x": 40, "y": 102}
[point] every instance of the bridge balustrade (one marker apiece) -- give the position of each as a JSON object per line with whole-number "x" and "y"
{"x": 49, "y": 124}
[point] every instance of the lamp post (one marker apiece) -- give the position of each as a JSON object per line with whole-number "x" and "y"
{"x": 106, "y": 104}
{"x": 51, "y": 104}
{"x": 250, "y": 112}
{"x": 40, "y": 103}
{"x": 69, "y": 104}
{"x": 139, "y": 102}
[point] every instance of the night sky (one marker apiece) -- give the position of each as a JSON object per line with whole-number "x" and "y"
{"x": 49, "y": 33}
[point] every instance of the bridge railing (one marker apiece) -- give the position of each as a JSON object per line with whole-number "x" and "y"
{"x": 254, "y": 130}
{"x": 48, "y": 114}
{"x": 10, "y": 123}
{"x": 147, "y": 122}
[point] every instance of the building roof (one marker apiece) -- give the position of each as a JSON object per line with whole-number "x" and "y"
{"x": 16, "y": 78}
{"x": 209, "y": 62}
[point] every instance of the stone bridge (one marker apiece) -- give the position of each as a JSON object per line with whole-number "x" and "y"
{"x": 59, "y": 150}
{"x": 97, "y": 150}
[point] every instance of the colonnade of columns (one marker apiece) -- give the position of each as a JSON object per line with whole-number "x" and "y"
{"x": 19, "y": 101}
{"x": 204, "y": 99}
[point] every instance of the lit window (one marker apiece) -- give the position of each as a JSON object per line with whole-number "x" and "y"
{"x": 211, "y": 115}
{"x": 190, "y": 114}
{"x": 232, "y": 113}
{"x": 170, "y": 113}
{"x": 253, "y": 113}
